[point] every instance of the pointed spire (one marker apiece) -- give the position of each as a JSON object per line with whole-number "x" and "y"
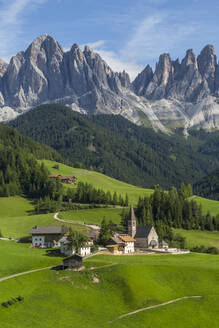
{"x": 131, "y": 222}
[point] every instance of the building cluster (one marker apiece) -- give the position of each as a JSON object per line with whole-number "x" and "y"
{"x": 56, "y": 236}
{"x": 135, "y": 238}
{"x": 65, "y": 179}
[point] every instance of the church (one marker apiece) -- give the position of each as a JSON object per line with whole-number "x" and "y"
{"x": 145, "y": 236}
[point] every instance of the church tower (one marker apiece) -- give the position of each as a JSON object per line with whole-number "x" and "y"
{"x": 131, "y": 223}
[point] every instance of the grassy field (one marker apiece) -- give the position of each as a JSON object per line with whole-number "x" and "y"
{"x": 93, "y": 216}
{"x": 208, "y": 205}
{"x": 73, "y": 299}
{"x": 17, "y": 258}
{"x": 16, "y": 220}
{"x": 99, "y": 180}
{"x": 198, "y": 238}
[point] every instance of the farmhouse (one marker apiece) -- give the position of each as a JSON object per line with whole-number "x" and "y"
{"x": 64, "y": 179}
{"x": 65, "y": 249}
{"x": 68, "y": 179}
{"x": 121, "y": 244}
{"x": 47, "y": 236}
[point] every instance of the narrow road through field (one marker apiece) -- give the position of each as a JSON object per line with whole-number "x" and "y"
{"x": 23, "y": 273}
{"x": 155, "y": 306}
{"x": 91, "y": 226}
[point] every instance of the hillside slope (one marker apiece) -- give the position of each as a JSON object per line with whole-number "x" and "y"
{"x": 117, "y": 147}
{"x": 99, "y": 181}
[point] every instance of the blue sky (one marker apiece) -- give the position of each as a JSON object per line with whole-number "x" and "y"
{"x": 128, "y": 34}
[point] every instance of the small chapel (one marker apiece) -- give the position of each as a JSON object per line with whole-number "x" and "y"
{"x": 145, "y": 236}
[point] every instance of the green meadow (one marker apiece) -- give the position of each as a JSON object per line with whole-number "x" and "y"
{"x": 99, "y": 180}
{"x": 198, "y": 238}
{"x": 93, "y": 216}
{"x": 96, "y": 298}
{"x": 16, "y": 257}
{"x": 16, "y": 218}
{"x": 208, "y": 205}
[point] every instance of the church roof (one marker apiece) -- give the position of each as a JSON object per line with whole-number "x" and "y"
{"x": 143, "y": 232}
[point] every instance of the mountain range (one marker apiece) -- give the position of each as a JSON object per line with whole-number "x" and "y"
{"x": 176, "y": 94}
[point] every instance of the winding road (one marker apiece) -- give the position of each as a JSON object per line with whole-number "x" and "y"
{"x": 91, "y": 226}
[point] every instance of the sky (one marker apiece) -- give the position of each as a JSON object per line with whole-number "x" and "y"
{"x": 128, "y": 34}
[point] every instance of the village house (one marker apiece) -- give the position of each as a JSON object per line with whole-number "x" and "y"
{"x": 47, "y": 236}
{"x": 68, "y": 179}
{"x": 121, "y": 244}
{"x": 64, "y": 179}
{"x": 67, "y": 250}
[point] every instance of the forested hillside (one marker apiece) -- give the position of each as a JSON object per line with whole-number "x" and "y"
{"x": 119, "y": 148}
{"x": 20, "y": 172}
{"x": 208, "y": 186}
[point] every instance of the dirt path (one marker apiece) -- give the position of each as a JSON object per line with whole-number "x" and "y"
{"x": 155, "y": 306}
{"x": 23, "y": 273}
{"x": 91, "y": 226}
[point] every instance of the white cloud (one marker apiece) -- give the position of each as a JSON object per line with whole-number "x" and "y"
{"x": 11, "y": 20}
{"x": 154, "y": 35}
{"x": 118, "y": 64}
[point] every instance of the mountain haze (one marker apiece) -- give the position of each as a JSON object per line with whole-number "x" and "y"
{"x": 177, "y": 94}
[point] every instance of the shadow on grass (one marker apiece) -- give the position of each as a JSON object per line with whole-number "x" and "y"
{"x": 54, "y": 253}
{"x": 58, "y": 268}
{"x": 25, "y": 240}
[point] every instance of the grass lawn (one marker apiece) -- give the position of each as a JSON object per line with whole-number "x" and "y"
{"x": 15, "y": 206}
{"x": 99, "y": 180}
{"x": 197, "y": 238}
{"x": 208, "y": 205}
{"x": 16, "y": 257}
{"x": 72, "y": 299}
{"x": 16, "y": 221}
{"x": 93, "y": 216}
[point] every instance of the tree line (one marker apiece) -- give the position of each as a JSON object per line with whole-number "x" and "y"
{"x": 174, "y": 209}
{"x": 84, "y": 193}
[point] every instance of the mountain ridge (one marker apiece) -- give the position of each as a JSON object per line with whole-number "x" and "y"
{"x": 184, "y": 94}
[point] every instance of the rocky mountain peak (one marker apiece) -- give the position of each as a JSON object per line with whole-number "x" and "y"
{"x": 3, "y": 67}
{"x": 190, "y": 58}
{"x": 207, "y": 62}
{"x": 141, "y": 82}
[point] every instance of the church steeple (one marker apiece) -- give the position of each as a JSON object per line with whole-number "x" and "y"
{"x": 131, "y": 222}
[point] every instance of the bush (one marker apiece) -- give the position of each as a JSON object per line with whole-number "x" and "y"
{"x": 203, "y": 249}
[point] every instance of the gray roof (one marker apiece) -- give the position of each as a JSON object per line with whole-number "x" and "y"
{"x": 116, "y": 240}
{"x": 164, "y": 243}
{"x": 74, "y": 256}
{"x": 47, "y": 230}
{"x": 143, "y": 232}
{"x": 64, "y": 240}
